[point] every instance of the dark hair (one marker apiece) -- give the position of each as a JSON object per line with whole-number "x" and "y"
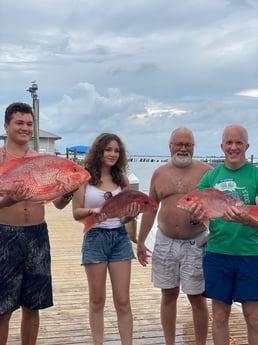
{"x": 14, "y": 108}
{"x": 94, "y": 158}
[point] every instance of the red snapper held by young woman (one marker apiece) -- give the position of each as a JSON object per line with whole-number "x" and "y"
{"x": 116, "y": 206}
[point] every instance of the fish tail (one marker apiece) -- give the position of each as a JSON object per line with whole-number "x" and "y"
{"x": 88, "y": 221}
{"x": 253, "y": 212}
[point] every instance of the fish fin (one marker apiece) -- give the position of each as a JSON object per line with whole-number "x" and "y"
{"x": 253, "y": 212}
{"x": 88, "y": 221}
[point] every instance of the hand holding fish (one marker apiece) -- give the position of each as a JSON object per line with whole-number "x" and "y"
{"x": 17, "y": 193}
{"x": 132, "y": 211}
{"x": 233, "y": 214}
{"x": 68, "y": 196}
{"x": 197, "y": 212}
{"x": 47, "y": 177}
{"x": 62, "y": 201}
{"x": 97, "y": 214}
{"x": 124, "y": 204}
{"x": 212, "y": 203}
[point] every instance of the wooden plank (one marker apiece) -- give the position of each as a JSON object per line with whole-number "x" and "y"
{"x": 67, "y": 322}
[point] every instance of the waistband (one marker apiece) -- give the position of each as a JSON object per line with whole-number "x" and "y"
{"x": 6, "y": 227}
{"x": 191, "y": 239}
{"x": 122, "y": 227}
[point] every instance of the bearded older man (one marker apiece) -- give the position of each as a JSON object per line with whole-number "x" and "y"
{"x": 177, "y": 256}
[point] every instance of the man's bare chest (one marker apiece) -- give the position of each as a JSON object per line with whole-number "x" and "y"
{"x": 175, "y": 185}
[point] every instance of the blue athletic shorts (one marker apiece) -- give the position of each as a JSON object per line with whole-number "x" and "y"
{"x": 25, "y": 275}
{"x": 230, "y": 278}
{"x": 106, "y": 245}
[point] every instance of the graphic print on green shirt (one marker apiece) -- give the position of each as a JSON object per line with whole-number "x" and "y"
{"x": 228, "y": 237}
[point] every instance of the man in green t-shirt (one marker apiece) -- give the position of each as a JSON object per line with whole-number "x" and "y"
{"x": 231, "y": 260}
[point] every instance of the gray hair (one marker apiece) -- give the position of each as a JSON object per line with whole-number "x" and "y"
{"x": 180, "y": 129}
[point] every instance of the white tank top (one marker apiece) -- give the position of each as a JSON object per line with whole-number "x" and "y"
{"x": 94, "y": 198}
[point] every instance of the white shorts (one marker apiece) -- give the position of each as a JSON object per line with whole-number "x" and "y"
{"x": 176, "y": 261}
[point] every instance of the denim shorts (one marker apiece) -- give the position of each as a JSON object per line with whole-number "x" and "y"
{"x": 25, "y": 275}
{"x": 231, "y": 278}
{"x": 106, "y": 245}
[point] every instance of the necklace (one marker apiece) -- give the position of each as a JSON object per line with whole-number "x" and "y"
{"x": 179, "y": 184}
{"x": 6, "y": 152}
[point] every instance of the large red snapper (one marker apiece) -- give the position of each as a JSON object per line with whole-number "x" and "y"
{"x": 46, "y": 176}
{"x": 116, "y": 206}
{"x": 215, "y": 202}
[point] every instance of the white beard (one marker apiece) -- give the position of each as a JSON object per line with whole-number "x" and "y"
{"x": 182, "y": 160}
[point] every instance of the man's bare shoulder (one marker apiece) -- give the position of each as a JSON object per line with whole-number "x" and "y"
{"x": 162, "y": 169}
{"x": 32, "y": 152}
{"x": 201, "y": 165}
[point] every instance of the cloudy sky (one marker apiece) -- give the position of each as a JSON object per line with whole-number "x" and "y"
{"x": 139, "y": 68}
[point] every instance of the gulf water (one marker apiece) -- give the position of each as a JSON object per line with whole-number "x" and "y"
{"x": 143, "y": 167}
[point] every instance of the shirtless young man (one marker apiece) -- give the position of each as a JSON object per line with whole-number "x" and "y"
{"x": 25, "y": 275}
{"x": 177, "y": 259}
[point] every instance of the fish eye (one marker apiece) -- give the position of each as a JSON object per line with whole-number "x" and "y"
{"x": 75, "y": 169}
{"x": 146, "y": 202}
{"x": 188, "y": 198}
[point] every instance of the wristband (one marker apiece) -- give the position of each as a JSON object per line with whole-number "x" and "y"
{"x": 68, "y": 197}
{"x": 193, "y": 222}
{"x": 249, "y": 221}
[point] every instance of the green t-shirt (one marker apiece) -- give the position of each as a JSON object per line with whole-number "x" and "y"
{"x": 228, "y": 237}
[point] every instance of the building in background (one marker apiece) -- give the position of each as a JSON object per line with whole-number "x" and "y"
{"x": 46, "y": 142}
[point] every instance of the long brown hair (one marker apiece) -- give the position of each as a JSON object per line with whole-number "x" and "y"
{"x": 94, "y": 158}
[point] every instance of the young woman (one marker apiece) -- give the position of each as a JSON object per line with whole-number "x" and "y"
{"x": 107, "y": 246}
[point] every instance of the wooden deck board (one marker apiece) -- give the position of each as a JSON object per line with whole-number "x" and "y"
{"x": 67, "y": 322}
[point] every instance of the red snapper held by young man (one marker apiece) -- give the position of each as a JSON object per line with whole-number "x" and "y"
{"x": 46, "y": 177}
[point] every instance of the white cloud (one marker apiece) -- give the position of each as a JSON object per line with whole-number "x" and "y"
{"x": 249, "y": 93}
{"x": 137, "y": 68}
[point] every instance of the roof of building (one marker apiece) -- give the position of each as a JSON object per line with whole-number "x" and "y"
{"x": 42, "y": 134}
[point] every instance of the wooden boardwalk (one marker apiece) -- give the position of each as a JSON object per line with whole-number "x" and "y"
{"x": 67, "y": 322}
